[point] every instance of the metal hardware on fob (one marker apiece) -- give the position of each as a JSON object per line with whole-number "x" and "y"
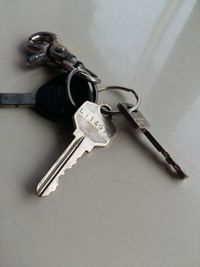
{"x": 46, "y": 48}
{"x": 57, "y": 99}
{"x": 92, "y": 129}
{"x": 138, "y": 121}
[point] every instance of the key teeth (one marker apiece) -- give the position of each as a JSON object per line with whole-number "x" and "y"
{"x": 51, "y": 188}
{"x": 50, "y": 182}
{"x": 68, "y": 167}
{"x": 43, "y": 193}
{"x": 72, "y": 163}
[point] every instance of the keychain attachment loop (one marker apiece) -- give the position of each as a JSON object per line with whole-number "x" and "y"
{"x": 93, "y": 92}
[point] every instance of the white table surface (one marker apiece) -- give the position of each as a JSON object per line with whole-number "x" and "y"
{"x": 118, "y": 207}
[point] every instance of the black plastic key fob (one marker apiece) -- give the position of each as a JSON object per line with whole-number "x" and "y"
{"x": 52, "y": 99}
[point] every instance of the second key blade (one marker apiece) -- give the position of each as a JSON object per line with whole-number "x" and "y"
{"x": 138, "y": 122}
{"x": 17, "y": 100}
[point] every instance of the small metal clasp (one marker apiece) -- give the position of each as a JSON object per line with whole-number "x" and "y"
{"x": 46, "y": 48}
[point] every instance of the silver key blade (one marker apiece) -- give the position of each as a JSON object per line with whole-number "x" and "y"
{"x": 49, "y": 182}
{"x": 92, "y": 129}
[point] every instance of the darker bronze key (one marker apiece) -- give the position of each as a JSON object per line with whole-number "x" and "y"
{"x": 138, "y": 122}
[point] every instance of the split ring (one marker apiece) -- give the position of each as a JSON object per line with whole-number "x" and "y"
{"x": 131, "y": 107}
{"x": 92, "y": 87}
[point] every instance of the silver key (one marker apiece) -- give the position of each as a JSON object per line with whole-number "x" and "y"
{"x": 92, "y": 129}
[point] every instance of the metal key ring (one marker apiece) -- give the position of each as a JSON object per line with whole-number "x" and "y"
{"x": 68, "y": 83}
{"x": 131, "y": 107}
{"x": 88, "y": 75}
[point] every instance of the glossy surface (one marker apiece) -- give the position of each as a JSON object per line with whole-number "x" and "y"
{"x": 119, "y": 206}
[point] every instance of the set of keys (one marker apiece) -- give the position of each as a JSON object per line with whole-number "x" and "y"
{"x": 73, "y": 94}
